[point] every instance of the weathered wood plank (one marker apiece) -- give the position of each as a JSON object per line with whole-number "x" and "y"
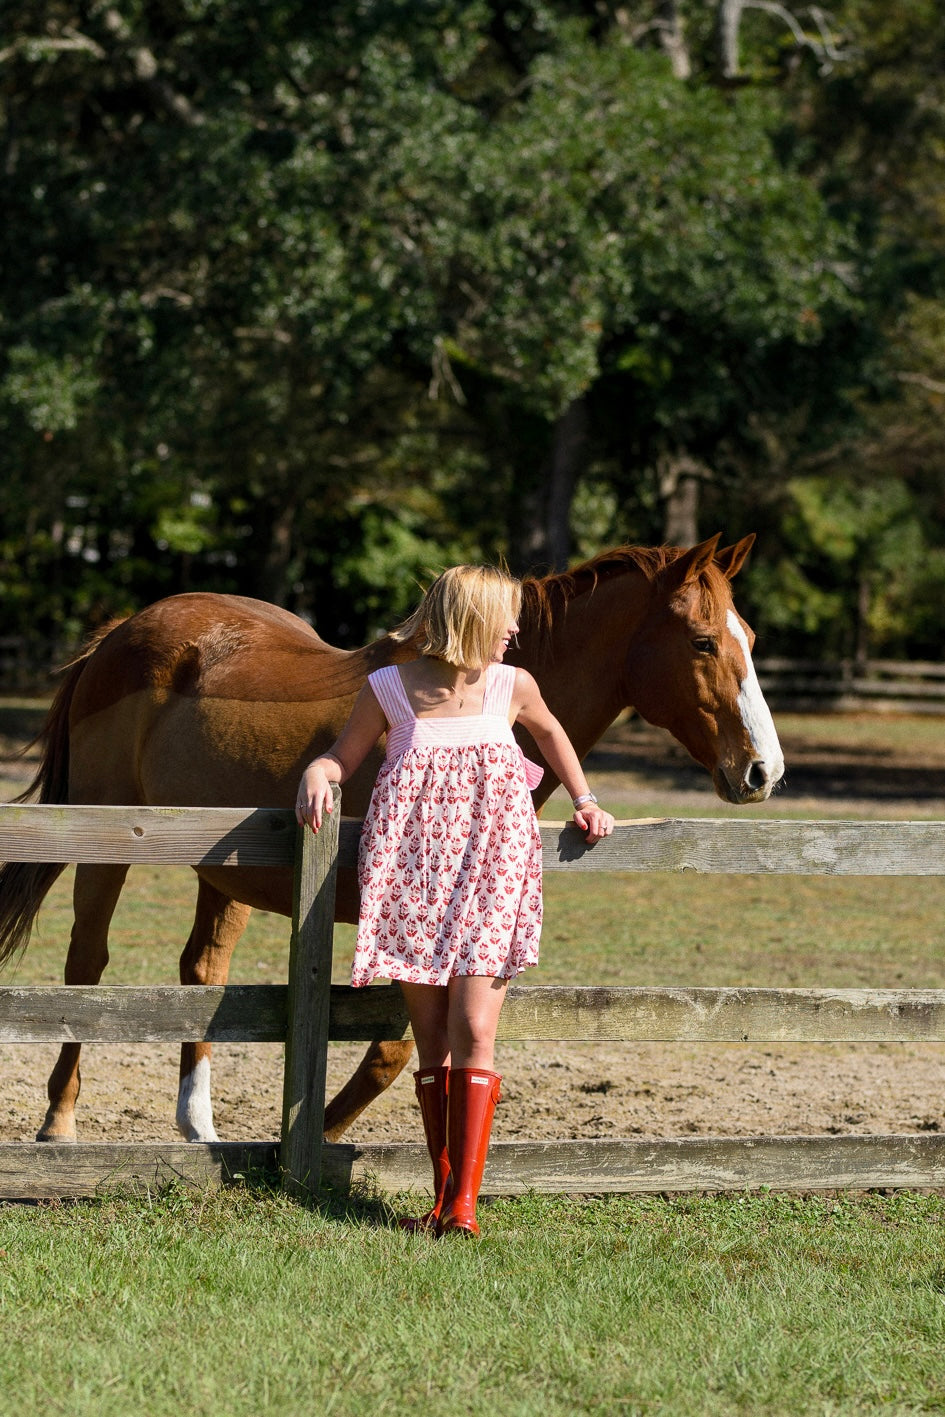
{"x": 306, "y": 1052}
{"x": 38, "y": 1171}
{"x": 227, "y": 836}
{"x": 536, "y": 1013}
{"x": 238, "y": 1013}
{"x": 655, "y": 1015}
{"x": 264, "y": 836}
{"x": 748, "y": 846}
{"x": 793, "y": 1163}
{"x": 856, "y": 688}
{"x": 257, "y": 1013}
{"x": 43, "y": 1171}
{"x": 360, "y": 1015}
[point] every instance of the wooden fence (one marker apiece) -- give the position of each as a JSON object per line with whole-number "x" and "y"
{"x": 308, "y": 1012}
{"x": 851, "y": 686}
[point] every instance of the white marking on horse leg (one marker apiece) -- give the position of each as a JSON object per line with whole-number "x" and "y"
{"x": 754, "y": 711}
{"x": 195, "y": 1106}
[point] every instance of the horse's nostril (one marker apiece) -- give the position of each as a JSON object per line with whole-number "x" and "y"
{"x": 757, "y": 776}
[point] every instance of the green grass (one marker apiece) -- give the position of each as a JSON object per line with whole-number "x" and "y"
{"x": 662, "y": 929}
{"x": 246, "y": 1303}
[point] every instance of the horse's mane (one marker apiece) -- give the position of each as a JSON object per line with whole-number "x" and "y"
{"x": 541, "y": 594}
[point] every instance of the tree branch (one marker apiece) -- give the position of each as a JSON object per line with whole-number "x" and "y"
{"x": 730, "y": 16}
{"x": 38, "y": 46}
{"x": 932, "y": 386}
{"x": 145, "y": 67}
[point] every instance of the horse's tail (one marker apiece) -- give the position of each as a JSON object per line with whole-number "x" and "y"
{"x": 24, "y": 885}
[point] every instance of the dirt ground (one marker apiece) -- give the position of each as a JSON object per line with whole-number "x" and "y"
{"x": 556, "y": 1091}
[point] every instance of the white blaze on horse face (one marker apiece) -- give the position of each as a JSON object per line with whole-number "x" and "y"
{"x": 194, "y": 1105}
{"x": 754, "y": 711}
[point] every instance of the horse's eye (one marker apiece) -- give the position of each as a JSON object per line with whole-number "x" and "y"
{"x": 704, "y": 644}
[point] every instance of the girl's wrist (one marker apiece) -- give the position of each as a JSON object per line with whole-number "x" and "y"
{"x": 584, "y": 799}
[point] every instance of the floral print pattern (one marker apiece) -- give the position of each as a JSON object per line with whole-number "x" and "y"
{"x": 450, "y": 853}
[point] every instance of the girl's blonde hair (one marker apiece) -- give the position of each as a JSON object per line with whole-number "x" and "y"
{"x": 464, "y": 615}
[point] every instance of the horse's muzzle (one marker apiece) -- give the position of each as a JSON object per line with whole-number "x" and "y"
{"x": 755, "y": 784}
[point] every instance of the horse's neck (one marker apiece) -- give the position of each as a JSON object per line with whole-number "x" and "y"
{"x": 579, "y": 659}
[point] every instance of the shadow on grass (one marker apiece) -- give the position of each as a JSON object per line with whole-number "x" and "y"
{"x": 361, "y": 1203}
{"x": 816, "y": 766}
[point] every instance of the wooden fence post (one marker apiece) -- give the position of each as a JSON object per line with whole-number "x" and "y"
{"x": 306, "y": 1048}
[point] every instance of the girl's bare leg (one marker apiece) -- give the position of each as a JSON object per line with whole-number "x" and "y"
{"x": 475, "y": 1002}
{"x": 428, "y": 1005}
{"x": 456, "y": 1025}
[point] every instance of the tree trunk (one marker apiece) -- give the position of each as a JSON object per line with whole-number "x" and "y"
{"x": 273, "y": 579}
{"x": 729, "y": 20}
{"x": 568, "y": 453}
{"x": 543, "y": 536}
{"x": 679, "y": 480}
{"x": 864, "y": 600}
{"x": 673, "y": 38}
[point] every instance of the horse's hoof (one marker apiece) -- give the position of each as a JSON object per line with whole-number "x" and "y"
{"x": 59, "y": 1138}
{"x": 191, "y": 1132}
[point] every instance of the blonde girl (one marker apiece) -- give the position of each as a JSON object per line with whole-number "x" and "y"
{"x": 450, "y": 854}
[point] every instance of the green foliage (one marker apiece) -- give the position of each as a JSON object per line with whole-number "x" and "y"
{"x": 50, "y": 393}
{"x": 275, "y": 280}
{"x": 855, "y": 569}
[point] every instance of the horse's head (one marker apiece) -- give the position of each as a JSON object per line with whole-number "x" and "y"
{"x": 690, "y": 670}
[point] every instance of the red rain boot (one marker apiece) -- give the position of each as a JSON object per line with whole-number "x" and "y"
{"x": 474, "y": 1093}
{"x": 432, "y": 1085}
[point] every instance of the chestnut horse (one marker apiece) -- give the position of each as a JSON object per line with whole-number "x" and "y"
{"x": 217, "y": 700}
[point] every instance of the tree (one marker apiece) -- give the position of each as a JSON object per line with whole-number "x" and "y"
{"x": 328, "y": 295}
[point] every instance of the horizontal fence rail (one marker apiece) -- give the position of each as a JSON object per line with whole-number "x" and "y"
{"x": 167, "y": 836}
{"x": 258, "y": 1013}
{"x": 788, "y": 1163}
{"x": 267, "y": 837}
{"x": 852, "y": 686}
{"x": 40, "y": 1171}
{"x": 273, "y": 1013}
{"x": 48, "y": 1170}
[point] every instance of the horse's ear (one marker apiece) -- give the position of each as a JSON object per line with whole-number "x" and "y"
{"x": 690, "y": 564}
{"x": 731, "y": 558}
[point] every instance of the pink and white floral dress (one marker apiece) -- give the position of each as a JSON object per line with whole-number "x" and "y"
{"x": 450, "y": 855}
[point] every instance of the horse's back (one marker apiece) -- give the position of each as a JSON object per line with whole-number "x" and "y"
{"x": 208, "y": 700}
{"x": 202, "y": 643}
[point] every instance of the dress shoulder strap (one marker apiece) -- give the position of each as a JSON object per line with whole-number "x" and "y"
{"x": 390, "y": 694}
{"x": 500, "y": 682}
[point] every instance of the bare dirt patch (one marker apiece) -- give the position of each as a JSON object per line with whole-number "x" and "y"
{"x": 555, "y": 1091}
{"x": 643, "y": 1090}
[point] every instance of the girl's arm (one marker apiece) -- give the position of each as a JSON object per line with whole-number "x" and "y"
{"x": 365, "y": 725}
{"x": 531, "y": 711}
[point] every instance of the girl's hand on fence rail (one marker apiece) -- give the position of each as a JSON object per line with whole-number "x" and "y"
{"x": 594, "y": 821}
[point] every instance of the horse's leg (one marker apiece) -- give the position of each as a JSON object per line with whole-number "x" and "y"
{"x": 218, "y": 923}
{"x": 376, "y": 1071}
{"x": 94, "y": 897}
